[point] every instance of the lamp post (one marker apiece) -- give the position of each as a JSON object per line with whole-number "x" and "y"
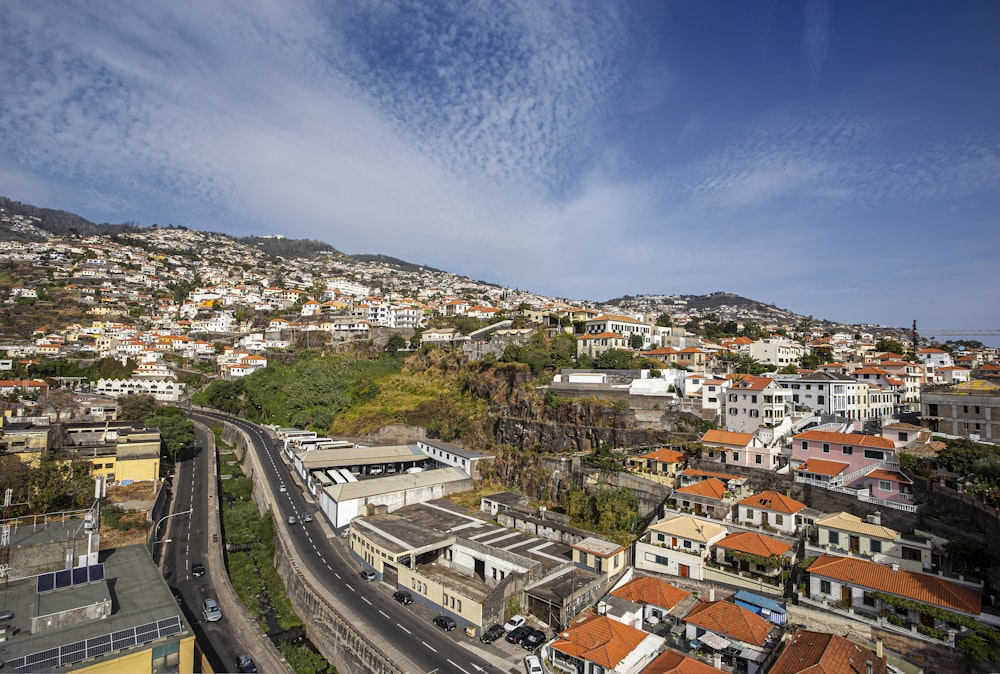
{"x": 156, "y": 527}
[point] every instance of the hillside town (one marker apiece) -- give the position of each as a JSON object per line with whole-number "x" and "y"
{"x": 803, "y": 529}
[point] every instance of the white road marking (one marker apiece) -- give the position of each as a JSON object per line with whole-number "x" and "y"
{"x": 365, "y": 600}
{"x": 348, "y": 586}
{"x": 385, "y": 614}
{"x": 429, "y": 646}
{"x": 403, "y": 628}
{"x": 335, "y": 573}
{"x": 457, "y": 667}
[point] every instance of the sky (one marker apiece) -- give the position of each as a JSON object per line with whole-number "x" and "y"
{"x": 837, "y": 159}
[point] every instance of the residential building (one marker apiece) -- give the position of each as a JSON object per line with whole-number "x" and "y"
{"x": 742, "y": 637}
{"x": 707, "y": 498}
{"x": 969, "y": 409}
{"x": 811, "y": 652}
{"x": 661, "y": 465}
{"x": 825, "y": 393}
{"x": 779, "y": 352}
{"x": 751, "y": 559}
{"x": 593, "y": 345}
{"x": 620, "y": 325}
{"x": 737, "y": 484}
{"x": 848, "y": 535}
{"x": 599, "y": 644}
{"x": 678, "y": 546}
{"x": 675, "y": 662}
{"x": 756, "y": 402}
{"x": 739, "y": 449}
{"x": 657, "y": 600}
{"x": 771, "y": 510}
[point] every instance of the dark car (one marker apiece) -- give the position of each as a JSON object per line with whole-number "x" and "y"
{"x": 245, "y": 665}
{"x": 197, "y": 569}
{"x": 518, "y": 634}
{"x": 368, "y": 576}
{"x": 492, "y": 634}
{"x": 534, "y": 639}
{"x": 403, "y": 597}
{"x": 444, "y": 622}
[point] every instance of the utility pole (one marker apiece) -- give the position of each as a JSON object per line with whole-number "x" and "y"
{"x": 914, "y": 339}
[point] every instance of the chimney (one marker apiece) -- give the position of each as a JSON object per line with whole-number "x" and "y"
{"x": 878, "y": 648}
{"x": 711, "y": 594}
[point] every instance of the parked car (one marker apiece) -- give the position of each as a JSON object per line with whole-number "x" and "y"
{"x": 210, "y": 608}
{"x": 514, "y": 622}
{"x": 308, "y": 517}
{"x": 245, "y": 665}
{"x": 368, "y": 576}
{"x": 492, "y": 634}
{"x": 197, "y": 569}
{"x": 403, "y": 597}
{"x": 532, "y": 665}
{"x": 518, "y": 634}
{"x": 534, "y": 639}
{"x": 444, "y": 622}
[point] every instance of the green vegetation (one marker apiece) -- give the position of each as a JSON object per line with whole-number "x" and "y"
{"x": 48, "y": 487}
{"x": 305, "y": 660}
{"x": 120, "y": 519}
{"x": 613, "y": 513}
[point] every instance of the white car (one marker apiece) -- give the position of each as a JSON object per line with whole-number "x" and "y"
{"x": 210, "y": 608}
{"x": 514, "y": 622}
{"x": 532, "y": 665}
{"x": 282, "y": 489}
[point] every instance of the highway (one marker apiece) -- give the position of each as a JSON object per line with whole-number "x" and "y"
{"x": 409, "y": 628}
{"x": 184, "y": 540}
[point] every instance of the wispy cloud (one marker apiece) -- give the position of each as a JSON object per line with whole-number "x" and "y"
{"x": 816, "y": 36}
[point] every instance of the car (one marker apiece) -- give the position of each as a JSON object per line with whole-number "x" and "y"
{"x": 518, "y": 634}
{"x": 345, "y": 532}
{"x": 291, "y": 519}
{"x": 282, "y": 489}
{"x": 245, "y": 664}
{"x": 493, "y": 633}
{"x": 197, "y": 569}
{"x": 514, "y": 622}
{"x": 308, "y": 517}
{"x": 403, "y": 597}
{"x": 532, "y": 665}
{"x": 534, "y": 639}
{"x": 210, "y": 608}
{"x": 444, "y": 622}
{"x": 367, "y": 576}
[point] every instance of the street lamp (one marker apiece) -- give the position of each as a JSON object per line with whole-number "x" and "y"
{"x": 162, "y": 540}
{"x": 156, "y": 527}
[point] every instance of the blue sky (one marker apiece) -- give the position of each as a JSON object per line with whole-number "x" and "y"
{"x": 839, "y": 159}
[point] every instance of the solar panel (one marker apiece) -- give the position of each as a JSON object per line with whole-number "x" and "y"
{"x": 64, "y": 579}
{"x": 169, "y": 626}
{"x": 46, "y": 582}
{"x": 146, "y": 633}
{"x": 96, "y": 572}
{"x": 79, "y": 575}
{"x": 73, "y": 652}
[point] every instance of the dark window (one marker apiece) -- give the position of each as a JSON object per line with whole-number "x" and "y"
{"x": 873, "y": 454}
{"x": 911, "y": 554}
{"x": 847, "y": 449}
{"x": 824, "y": 586}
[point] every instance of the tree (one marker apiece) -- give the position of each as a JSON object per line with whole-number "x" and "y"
{"x": 136, "y": 407}
{"x": 664, "y": 321}
{"x": 635, "y": 341}
{"x": 176, "y": 430}
{"x": 615, "y": 359}
{"x": 395, "y": 343}
{"x": 892, "y": 345}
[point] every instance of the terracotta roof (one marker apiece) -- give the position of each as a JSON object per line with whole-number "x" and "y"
{"x": 666, "y": 455}
{"x": 653, "y": 591}
{"x": 694, "y": 472}
{"x": 855, "y": 439}
{"x": 711, "y": 488}
{"x": 727, "y": 438}
{"x": 730, "y": 620}
{"x": 748, "y": 382}
{"x": 920, "y": 587}
{"x": 755, "y": 544}
{"x": 890, "y": 476}
{"x": 820, "y": 653}
{"x": 822, "y": 467}
{"x": 602, "y": 335}
{"x": 772, "y": 500}
{"x": 672, "y": 662}
{"x": 599, "y": 639}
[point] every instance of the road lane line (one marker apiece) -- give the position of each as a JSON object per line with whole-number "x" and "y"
{"x": 365, "y": 600}
{"x": 457, "y": 667}
{"x": 348, "y": 586}
{"x": 403, "y": 628}
{"x": 385, "y": 614}
{"x": 335, "y": 573}
{"x": 429, "y": 646}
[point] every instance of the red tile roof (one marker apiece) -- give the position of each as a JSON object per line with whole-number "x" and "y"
{"x": 711, "y": 488}
{"x": 672, "y": 662}
{"x": 599, "y": 639}
{"x": 727, "y": 438}
{"x": 651, "y": 591}
{"x": 694, "y": 472}
{"x": 755, "y": 544}
{"x": 920, "y": 587}
{"x": 821, "y": 653}
{"x": 772, "y": 500}
{"x": 890, "y": 476}
{"x": 731, "y": 621}
{"x": 665, "y": 455}
{"x": 855, "y": 439}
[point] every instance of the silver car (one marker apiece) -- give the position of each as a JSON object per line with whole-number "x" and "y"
{"x": 210, "y": 608}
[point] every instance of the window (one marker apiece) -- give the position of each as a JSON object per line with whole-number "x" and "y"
{"x": 167, "y": 658}
{"x": 736, "y": 457}
{"x": 875, "y": 546}
{"x": 847, "y": 449}
{"x": 779, "y": 520}
{"x": 805, "y": 446}
{"x": 733, "y": 411}
{"x": 868, "y": 599}
{"x": 757, "y": 458}
{"x": 753, "y": 399}
{"x": 820, "y": 400}
{"x": 687, "y": 544}
{"x": 824, "y": 586}
{"x": 910, "y": 554}
{"x": 873, "y": 454}
{"x": 834, "y": 537}
{"x": 884, "y": 485}
{"x": 826, "y": 448}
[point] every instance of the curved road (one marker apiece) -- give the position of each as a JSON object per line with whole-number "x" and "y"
{"x": 427, "y": 647}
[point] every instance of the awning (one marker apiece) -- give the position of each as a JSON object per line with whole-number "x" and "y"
{"x": 713, "y": 640}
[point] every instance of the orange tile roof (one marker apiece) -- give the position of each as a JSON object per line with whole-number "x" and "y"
{"x": 920, "y": 587}
{"x": 599, "y": 639}
{"x": 772, "y": 500}
{"x": 712, "y": 488}
{"x": 820, "y": 653}
{"x": 602, "y": 335}
{"x": 666, "y": 455}
{"x": 653, "y": 591}
{"x": 890, "y": 476}
{"x": 727, "y": 437}
{"x": 822, "y": 467}
{"x": 694, "y": 472}
{"x": 672, "y": 662}
{"x": 755, "y": 544}
{"x": 855, "y": 439}
{"x": 730, "y": 620}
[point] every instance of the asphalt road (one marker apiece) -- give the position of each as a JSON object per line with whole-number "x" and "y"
{"x": 184, "y": 540}
{"x": 409, "y": 628}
